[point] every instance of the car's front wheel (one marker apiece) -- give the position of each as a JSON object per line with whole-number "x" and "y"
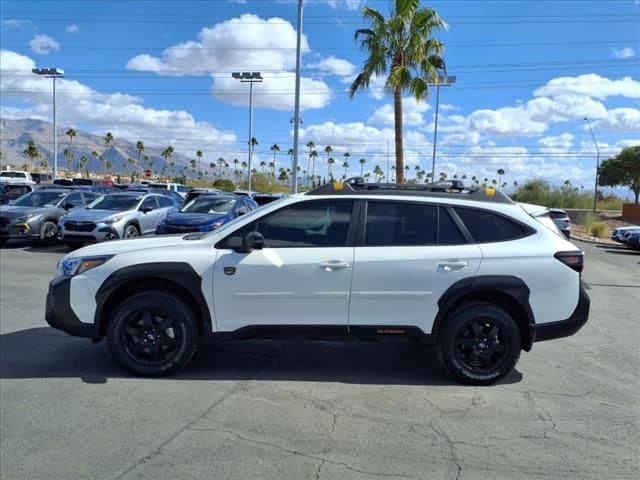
{"x": 48, "y": 232}
{"x": 131, "y": 231}
{"x": 480, "y": 344}
{"x": 153, "y": 333}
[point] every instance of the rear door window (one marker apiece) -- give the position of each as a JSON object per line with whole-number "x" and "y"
{"x": 400, "y": 224}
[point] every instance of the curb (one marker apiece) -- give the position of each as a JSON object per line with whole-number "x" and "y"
{"x": 593, "y": 240}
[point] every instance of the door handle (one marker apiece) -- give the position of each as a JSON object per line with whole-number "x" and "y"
{"x": 333, "y": 265}
{"x": 452, "y": 266}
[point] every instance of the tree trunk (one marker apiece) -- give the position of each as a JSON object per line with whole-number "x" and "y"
{"x": 397, "y": 111}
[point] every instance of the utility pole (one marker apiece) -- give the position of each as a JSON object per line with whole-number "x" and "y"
{"x": 52, "y": 73}
{"x": 595, "y": 190}
{"x": 296, "y": 114}
{"x": 250, "y": 78}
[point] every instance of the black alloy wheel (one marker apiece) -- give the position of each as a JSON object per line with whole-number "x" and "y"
{"x": 480, "y": 343}
{"x": 153, "y": 333}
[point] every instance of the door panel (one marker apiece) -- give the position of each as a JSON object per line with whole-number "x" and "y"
{"x": 401, "y": 286}
{"x": 278, "y": 286}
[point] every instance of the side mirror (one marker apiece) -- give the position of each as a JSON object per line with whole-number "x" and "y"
{"x": 146, "y": 209}
{"x": 242, "y": 211}
{"x": 68, "y": 206}
{"x": 252, "y": 241}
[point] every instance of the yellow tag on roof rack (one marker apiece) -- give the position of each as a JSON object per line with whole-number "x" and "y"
{"x": 490, "y": 191}
{"x": 338, "y": 185}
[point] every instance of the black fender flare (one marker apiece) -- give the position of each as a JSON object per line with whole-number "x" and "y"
{"x": 508, "y": 291}
{"x": 179, "y": 277}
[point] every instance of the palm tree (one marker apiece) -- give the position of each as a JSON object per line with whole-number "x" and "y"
{"x": 166, "y": 154}
{"x": 362, "y": 161}
{"x": 262, "y": 165}
{"x": 140, "y": 149}
{"x": 402, "y": 48}
{"x": 393, "y": 173}
{"x": 235, "y": 166}
{"x": 500, "y": 173}
{"x": 253, "y": 145}
{"x": 212, "y": 167}
{"x": 345, "y": 165}
{"x": 82, "y": 165}
{"x": 32, "y": 152}
{"x": 377, "y": 171}
{"x": 313, "y": 155}
{"x": 70, "y": 155}
{"x": 199, "y": 155}
{"x": 310, "y": 146}
{"x": 272, "y": 166}
{"x": 406, "y": 169}
{"x": 274, "y": 148}
{"x": 515, "y": 185}
{"x": 108, "y": 140}
{"x": 330, "y": 162}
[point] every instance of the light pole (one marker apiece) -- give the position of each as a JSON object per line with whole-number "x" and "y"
{"x": 52, "y": 73}
{"x": 595, "y": 190}
{"x": 296, "y": 114}
{"x": 442, "y": 82}
{"x": 250, "y": 78}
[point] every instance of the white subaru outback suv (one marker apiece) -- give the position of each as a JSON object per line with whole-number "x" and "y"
{"x": 467, "y": 270}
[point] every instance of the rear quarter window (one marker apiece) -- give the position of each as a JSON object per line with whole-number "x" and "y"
{"x": 487, "y": 227}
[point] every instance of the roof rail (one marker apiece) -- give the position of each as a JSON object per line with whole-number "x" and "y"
{"x": 447, "y": 189}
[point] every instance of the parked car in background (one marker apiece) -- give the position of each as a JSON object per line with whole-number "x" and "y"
{"x": 562, "y": 220}
{"x": 15, "y": 176}
{"x": 92, "y": 182}
{"x": 173, "y": 187}
{"x": 115, "y": 215}
{"x": 12, "y": 191}
{"x": 619, "y": 234}
{"x": 206, "y": 213}
{"x": 179, "y": 199}
{"x": 42, "y": 177}
{"x": 196, "y": 192}
{"x": 36, "y": 214}
{"x": 264, "y": 198}
{"x": 634, "y": 240}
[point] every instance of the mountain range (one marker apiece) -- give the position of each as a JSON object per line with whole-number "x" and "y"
{"x": 16, "y": 134}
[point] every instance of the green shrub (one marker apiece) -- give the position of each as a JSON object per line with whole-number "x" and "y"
{"x": 224, "y": 184}
{"x": 539, "y": 192}
{"x": 586, "y": 220}
{"x": 598, "y": 230}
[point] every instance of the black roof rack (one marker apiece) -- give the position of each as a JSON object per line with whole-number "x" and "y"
{"x": 445, "y": 189}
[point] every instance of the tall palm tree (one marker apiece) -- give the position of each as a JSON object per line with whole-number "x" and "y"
{"x": 402, "y": 48}
{"x": 345, "y": 165}
{"x": 500, "y": 173}
{"x": 32, "y": 152}
{"x": 313, "y": 155}
{"x": 212, "y": 167}
{"x": 362, "y": 161}
{"x": 140, "y": 149}
{"x": 70, "y": 156}
{"x": 82, "y": 165}
{"x": 262, "y": 165}
{"x": 272, "y": 166}
{"x": 377, "y": 171}
{"x": 166, "y": 154}
{"x": 199, "y": 155}
{"x": 310, "y": 146}
{"x": 108, "y": 140}
{"x": 253, "y": 145}
{"x": 235, "y": 166}
{"x": 330, "y": 162}
{"x": 274, "y": 148}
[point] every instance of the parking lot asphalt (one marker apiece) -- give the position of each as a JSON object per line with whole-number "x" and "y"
{"x": 324, "y": 410}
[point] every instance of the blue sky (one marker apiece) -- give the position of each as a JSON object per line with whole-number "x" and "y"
{"x": 528, "y": 73}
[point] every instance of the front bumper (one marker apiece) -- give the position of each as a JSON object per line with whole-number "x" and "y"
{"x": 60, "y": 315}
{"x": 99, "y": 234}
{"x": 566, "y": 328}
{"x": 20, "y": 230}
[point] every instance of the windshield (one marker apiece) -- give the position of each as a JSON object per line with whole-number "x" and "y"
{"x": 40, "y": 199}
{"x": 212, "y": 206}
{"x": 115, "y": 202}
{"x": 253, "y": 213}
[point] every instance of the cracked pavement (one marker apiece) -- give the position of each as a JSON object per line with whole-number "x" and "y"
{"x": 322, "y": 410}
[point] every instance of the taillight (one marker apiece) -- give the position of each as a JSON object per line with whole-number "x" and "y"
{"x": 573, "y": 260}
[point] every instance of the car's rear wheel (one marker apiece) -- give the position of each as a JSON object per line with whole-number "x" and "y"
{"x": 131, "y": 231}
{"x": 480, "y": 344}
{"x": 153, "y": 333}
{"x": 48, "y": 232}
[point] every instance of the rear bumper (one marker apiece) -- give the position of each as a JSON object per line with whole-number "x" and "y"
{"x": 566, "y": 328}
{"x": 60, "y": 315}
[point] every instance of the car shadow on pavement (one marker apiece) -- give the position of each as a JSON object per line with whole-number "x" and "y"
{"x": 29, "y": 246}
{"x": 46, "y": 353}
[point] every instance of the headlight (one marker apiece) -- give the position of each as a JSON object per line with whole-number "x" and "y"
{"x": 76, "y": 266}
{"x": 111, "y": 220}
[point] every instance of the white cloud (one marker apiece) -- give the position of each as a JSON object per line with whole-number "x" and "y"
{"x": 43, "y": 44}
{"x": 72, "y": 28}
{"x": 590, "y": 85}
{"x": 334, "y": 66}
{"x": 445, "y": 107}
{"x": 625, "y": 53}
{"x": 621, "y": 120}
{"x": 81, "y": 106}
{"x": 412, "y": 113}
{"x": 563, "y": 141}
{"x": 15, "y": 23}
{"x": 348, "y": 4}
{"x": 246, "y": 43}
